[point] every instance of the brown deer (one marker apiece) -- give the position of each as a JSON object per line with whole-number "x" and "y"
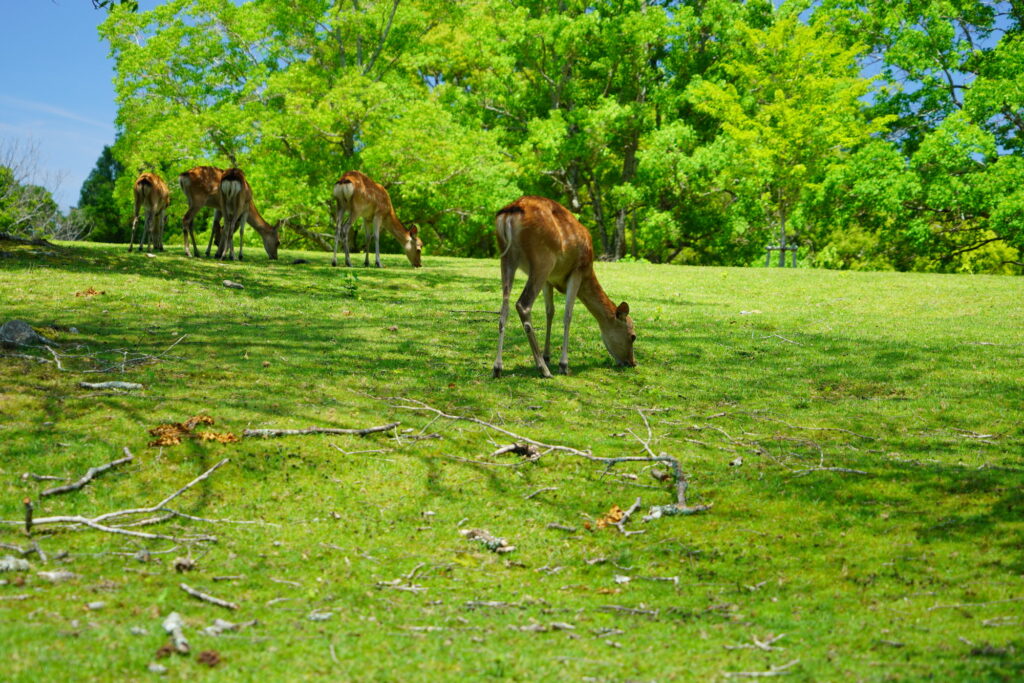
{"x": 235, "y": 200}
{"x": 545, "y": 241}
{"x": 201, "y": 186}
{"x": 152, "y": 195}
{"x": 358, "y": 196}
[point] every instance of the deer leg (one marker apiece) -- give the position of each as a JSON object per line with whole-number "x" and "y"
{"x": 186, "y": 227}
{"x": 508, "y": 274}
{"x": 217, "y": 232}
{"x": 131, "y": 242}
{"x": 345, "y": 237}
{"x": 549, "y": 314}
{"x": 572, "y": 288}
{"x": 213, "y": 234}
{"x": 337, "y": 236}
{"x": 160, "y": 232}
{"x": 241, "y": 232}
{"x": 367, "y": 228}
{"x": 376, "y": 239}
{"x": 524, "y": 306}
{"x": 147, "y": 230}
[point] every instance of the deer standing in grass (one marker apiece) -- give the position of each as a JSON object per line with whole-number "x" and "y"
{"x": 358, "y": 196}
{"x": 152, "y": 195}
{"x": 545, "y": 241}
{"x": 202, "y": 188}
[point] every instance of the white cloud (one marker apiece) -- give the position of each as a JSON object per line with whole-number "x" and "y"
{"x": 54, "y": 111}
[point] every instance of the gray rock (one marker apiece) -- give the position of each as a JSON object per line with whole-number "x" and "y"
{"x": 9, "y": 563}
{"x": 20, "y": 333}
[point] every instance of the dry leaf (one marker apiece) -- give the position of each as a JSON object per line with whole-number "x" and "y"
{"x": 210, "y": 658}
{"x": 219, "y": 437}
{"x": 613, "y": 516}
{"x": 172, "y": 434}
{"x": 89, "y": 292}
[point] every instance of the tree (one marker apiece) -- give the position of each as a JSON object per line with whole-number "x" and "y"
{"x": 98, "y": 204}
{"x": 788, "y": 103}
{"x": 950, "y": 74}
{"x": 27, "y": 209}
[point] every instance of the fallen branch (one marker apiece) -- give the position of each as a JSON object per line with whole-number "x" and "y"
{"x": 781, "y": 670}
{"x": 205, "y": 597}
{"x": 96, "y": 522}
{"x": 629, "y": 610}
{"x": 804, "y": 473}
{"x": 91, "y": 474}
{"x": 539, "y": 491}
{"x": 679, "y": 507}
{"x": 126, "y": 362}
{"x": 266, "y": 433}
{"x": 41, "y": 477}
{"x": 127, "y": 386}
{"x": 621, "y": 524}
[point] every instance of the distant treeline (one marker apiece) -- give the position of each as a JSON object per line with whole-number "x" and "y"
{"x": 875, "y": 134}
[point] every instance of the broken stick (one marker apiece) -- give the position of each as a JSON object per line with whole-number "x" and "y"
{"x": 266, "y": 433}
{"x": 206, "y": 597}
{"x": 91, "y": 474}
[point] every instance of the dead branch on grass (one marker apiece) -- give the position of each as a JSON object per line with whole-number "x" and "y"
{"x": 90, "y": 474}
{"x": 780, "y": 670}
{"x": 97, "y": 522}
{"x": 206, "y": 597}
{"x": 266, "y": 433}
{"x": 678, "y": 508}
{"x": 653, "y": 613}
{"x": 803, "y": 473}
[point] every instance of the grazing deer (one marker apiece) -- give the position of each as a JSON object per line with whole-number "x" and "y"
{"x": 151, "y": 193}
{"x": 546, "y": 242}
{"x": 235, "y": 200}
{"x": 360, "y": 197}
{"x": 202, "y": 186}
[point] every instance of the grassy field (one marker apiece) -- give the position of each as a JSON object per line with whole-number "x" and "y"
{"x": 903, "y": 561}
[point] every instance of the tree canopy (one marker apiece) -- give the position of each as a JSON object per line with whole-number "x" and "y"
{"x": 874, "y": 135}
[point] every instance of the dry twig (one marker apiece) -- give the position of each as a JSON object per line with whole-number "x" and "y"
{"x": 678, "y": 508}
{"x": 99, "y": 524}
{"x": 265, "y": 433}
{"x": 780, "y": 670}
{"x": 92, "y": 473}
{"x": 206, "y": 597}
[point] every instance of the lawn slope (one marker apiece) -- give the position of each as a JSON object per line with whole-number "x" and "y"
{"x": 858, "y": 435}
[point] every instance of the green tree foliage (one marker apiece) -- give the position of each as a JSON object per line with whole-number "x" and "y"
{"x": 950, "y": 72}
{"x": 878, "y": 135}
{"x": 98, "y": 204}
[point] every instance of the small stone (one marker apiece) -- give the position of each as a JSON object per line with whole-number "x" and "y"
{"x": 9, "y": 563}
{"x": 20, "y": 333}
{"x": 156, "y": 668}
{"x": 97, "y": 605}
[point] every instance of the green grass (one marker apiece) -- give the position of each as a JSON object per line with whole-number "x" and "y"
{"x": 913, "y": 571}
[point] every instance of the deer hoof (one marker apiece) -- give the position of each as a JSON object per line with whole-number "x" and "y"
{"x": 563, "y": 368}
{"x": 496, "y": 373}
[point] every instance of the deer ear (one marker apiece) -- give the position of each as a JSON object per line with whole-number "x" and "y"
{"x": 413, "y": 230}
{"x": 622, "y": 311}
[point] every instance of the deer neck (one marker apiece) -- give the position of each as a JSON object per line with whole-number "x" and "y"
{"x": 256, "y": 220}
{"x": 395, "y": 227}
{"x": 593, "y": 297}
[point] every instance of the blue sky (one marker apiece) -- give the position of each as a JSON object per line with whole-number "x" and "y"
{"x": 56, "y": 88}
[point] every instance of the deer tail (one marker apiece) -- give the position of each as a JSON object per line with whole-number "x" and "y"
{"x": 507, "y": 223}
